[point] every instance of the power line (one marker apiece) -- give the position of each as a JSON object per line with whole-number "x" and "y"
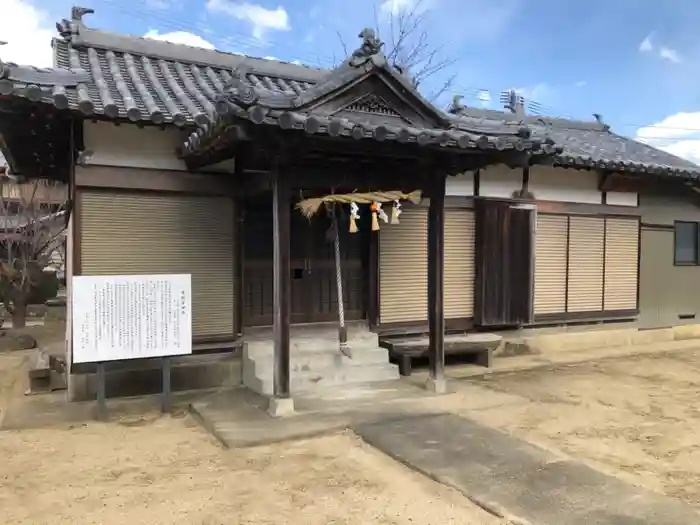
{"x": 233, "y": 39}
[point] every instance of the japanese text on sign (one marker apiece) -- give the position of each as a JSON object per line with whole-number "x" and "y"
{"x": 131, "y": 317}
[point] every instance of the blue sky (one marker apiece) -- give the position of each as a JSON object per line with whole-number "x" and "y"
{"x": 636, "y": 62}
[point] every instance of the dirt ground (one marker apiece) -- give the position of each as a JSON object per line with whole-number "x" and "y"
{"x": 634, "y": 417}
{"x": 637, "y": 418}
{"x": 168, "y": 470}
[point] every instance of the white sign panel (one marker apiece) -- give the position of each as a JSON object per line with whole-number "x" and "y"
{"x": 131, "y": 317}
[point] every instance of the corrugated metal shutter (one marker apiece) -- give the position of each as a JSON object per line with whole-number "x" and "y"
{"x": 149, "y": 233}
{"x": 550, "y": 264}
{"x": 459, "y": 263}
{"x": 403, "y": 268}
{"x": 621, "y": 247}
{"x": 586, "y": 238}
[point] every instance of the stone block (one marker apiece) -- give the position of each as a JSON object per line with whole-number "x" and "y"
{"x": 281, "y": 407}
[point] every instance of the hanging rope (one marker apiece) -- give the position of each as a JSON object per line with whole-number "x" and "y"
{"x": 342, "y": 329}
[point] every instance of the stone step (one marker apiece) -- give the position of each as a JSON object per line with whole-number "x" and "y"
{"x": 303, "y": 381}
{"x": 344, "y": 376}
{"x": 318, "y": 360}
{"x": 304, "y": 346}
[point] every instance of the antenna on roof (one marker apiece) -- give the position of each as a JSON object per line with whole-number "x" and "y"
{"x": 513, "y": 101}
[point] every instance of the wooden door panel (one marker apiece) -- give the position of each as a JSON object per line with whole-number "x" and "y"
{"x": 313, "y": 279}
{"x": 504, "y": 263}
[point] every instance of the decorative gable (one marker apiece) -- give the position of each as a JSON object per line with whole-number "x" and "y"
{"x": 372, "y": 104}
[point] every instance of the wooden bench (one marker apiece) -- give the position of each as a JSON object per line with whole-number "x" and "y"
{"x": 406, "y": 348}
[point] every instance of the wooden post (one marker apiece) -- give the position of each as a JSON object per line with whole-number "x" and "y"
{"x": 436, "y": 285}
{"x": 101, "y": 393}
{"x": 166, "y": 394}
{"x": 281, "y": 402}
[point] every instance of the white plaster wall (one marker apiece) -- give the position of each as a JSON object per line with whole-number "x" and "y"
{"x": 565, "y": 185}
{"x": 130, "y": 146}
{"x": 461, "y": 185}
{"x": 619, "y": 198}
{"x": 500, "y": 181}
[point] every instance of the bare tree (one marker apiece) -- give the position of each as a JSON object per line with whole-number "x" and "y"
{"x": 409, "y": 48}
{"x": 32, "y": 228}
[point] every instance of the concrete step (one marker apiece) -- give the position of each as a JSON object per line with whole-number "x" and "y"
{"x": 322, "y": 359}
{"x": 311, "y": 345}
{"x": 307, "y": 380}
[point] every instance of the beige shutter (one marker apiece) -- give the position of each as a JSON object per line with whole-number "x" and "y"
{"x": 403, "y": 268}
{"x": 459, "y": 263}
{"x": 150, "y": 233}
{"x": 550, "y": 264}
{"x": 586, "y": 237}
{"x": 621, "y": 247}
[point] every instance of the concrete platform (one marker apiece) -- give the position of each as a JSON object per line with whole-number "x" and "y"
{"x": 517, "y": 480}
{"x": 238, "y": 417}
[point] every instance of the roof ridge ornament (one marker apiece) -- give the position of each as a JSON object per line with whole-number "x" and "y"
{"x": 371, "y": 46}
{"x": 71, "y": 28}
{"x": 238, "y": 90}
{"x": 599, "y": 119}
{"x": 456, "y": 108}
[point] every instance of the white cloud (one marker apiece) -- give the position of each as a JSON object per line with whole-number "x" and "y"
{"x": 537, "y": 93}
{"x": 670, "y": 54}
{"x": 580, "y": 83}
{"x": 159, "y": 4}
{"x": 27, "y": 31}
{"x": 678, "y": 134}
{"x": 665, "y": 52}
{"x": 261, "y": 18}
{"x": 179, "y": 37}
{"x": 393, "y": 7}
{"x": 646, "y": 46}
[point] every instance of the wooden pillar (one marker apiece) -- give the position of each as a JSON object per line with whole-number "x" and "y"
{"x": 281, "y": 283}
{"x": 436, "y": 283}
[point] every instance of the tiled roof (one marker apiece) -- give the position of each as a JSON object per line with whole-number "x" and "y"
{"x": 145, "y": 86}
{"x": 592, "y": 145}
{"x": 145, "y": 80}
{"x": 370, "y": 116}
{"x": 116, "y": 76}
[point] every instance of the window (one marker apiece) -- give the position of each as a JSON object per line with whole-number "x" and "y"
{"x": 686, "y": 244}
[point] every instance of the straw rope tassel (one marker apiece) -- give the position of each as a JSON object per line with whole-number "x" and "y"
{"x": 395, "y": 212}
{"x": 375, "y": 220}
{"x": 354, "y": 216}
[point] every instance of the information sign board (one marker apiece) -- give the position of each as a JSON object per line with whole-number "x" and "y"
{"x": 131, "y": 317}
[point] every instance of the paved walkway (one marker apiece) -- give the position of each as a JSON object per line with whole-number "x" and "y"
{"x": 237, "y": 417}
{"x": 516, "y": 479}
